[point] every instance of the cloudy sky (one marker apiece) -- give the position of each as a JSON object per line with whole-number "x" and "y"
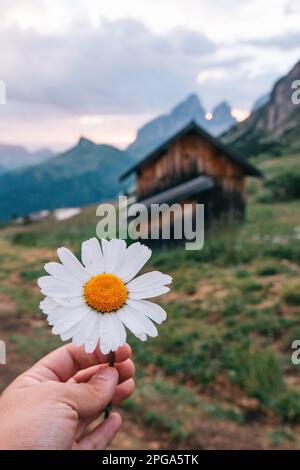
{"x": 103, "y": 68}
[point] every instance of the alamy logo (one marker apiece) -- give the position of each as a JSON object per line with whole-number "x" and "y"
{"x": 2, "y": 352}
{"x": 296, "y": 93}
{"x": 153, "y": 222}
{"x": 2, "y": 92}
{"x": 296, "y": 354}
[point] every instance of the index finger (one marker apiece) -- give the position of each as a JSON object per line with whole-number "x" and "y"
{"x": 61, "y": 364}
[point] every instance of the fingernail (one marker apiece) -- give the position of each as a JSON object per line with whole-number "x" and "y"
{"x": 107, "y": 373}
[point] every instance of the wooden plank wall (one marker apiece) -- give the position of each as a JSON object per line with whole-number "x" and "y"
{"x": 189, "y": 157}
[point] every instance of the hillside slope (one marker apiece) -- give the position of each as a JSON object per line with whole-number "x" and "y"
{"x": 84, "y": 174}
{"x": 13, "y": 157}
{"x": 219, "y": 375}
{"x": 273, "y": 128}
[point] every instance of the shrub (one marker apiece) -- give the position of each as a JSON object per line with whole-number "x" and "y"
{"x": 242, "y": 273}
{"x": 287, "y": 405}
{"x": 27, "y": 239}
{"x": 291, "y": 294}
{"x": 285, "y": 185}
{"x": 269, "y": 270}
{"x": 251, "y": 286}
{"x": 291, "y": 336}
{"x": 259, "y": 373}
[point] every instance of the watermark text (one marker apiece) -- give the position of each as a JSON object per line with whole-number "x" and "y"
{"x": 154, "y": 222}
{"x": 296, "y": 94}
{"x": 2, "y": 352}
{"x": 2, "y": 92}
{"x": 296, "y": 354}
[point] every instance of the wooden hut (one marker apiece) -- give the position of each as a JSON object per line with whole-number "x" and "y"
{"x": 192, "y": 166}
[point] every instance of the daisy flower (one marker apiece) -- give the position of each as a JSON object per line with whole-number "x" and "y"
{"x": 97, "y": 299}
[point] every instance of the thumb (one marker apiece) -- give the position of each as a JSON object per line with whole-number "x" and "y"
{"x": 92, "y": 397}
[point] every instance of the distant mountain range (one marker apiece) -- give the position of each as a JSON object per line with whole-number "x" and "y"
{"x": 15, "y": 156}
{"x": 274, "y": 128}
{"x": 87, "y": 173}
{"x": 152, "y": 134}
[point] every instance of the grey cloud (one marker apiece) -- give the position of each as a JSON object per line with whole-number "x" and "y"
{"x": 120, "y": 67}
{"x": 190, "y": 42}
{"x": 238, "y": 91}
{"x": 292, "y": 7}
{"x": 236, "y": 61}
{"x": 286, "y": 41}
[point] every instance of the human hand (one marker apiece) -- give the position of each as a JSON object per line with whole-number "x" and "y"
{"x": 52, "y": 405}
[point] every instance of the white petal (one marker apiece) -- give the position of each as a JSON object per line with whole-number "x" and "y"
{"x": 47, "y": 305}
{"x": 119, "y": 247}
{"x": 119, "y": 332}
{"x": 129, "y": 320}
{"x": 68, "y": 334}
{"x": 113, "y": 252}
{"x": 146, "y": 294}
{"x": 112, "y": 333}
{"x": 151, "y": 310}
{"x": 107, "y": 333}
{"x": 142, "y": 337}
{"x": 107, "y": 254}
{"x": 122, "y": 332}
{"x": 50, "y": 281}
{"x": 150, "y": 328}
{"x": 92, "y": 256}
{"x": 132, "y": 320}
{"x": 70, "y": 302}
{"x": 59, "y": 313}
{"x": 53, "y": 288}
{"x": 72, "y": 264}
{"x": 91, "y": 343}
{"x": 153, "y": 279}
{"x": 69, "y": 320}
{"x": 85, "y": 328}
{"x": 58, "y": 271}
{"x": 133, "y": 260}
{"x": 102, "y": 329}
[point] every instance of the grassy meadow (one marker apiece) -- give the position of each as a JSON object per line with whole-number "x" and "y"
{"x": 219, "y": 375}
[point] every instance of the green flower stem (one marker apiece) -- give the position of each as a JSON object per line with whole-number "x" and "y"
{"x": 111, "y": 363}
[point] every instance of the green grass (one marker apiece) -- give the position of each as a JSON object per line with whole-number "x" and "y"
{"x": 36, "y": 344}
{"x": 232, "y": 317}
{"x": 203, "y": 338}
{"x": 25, "y": 298}
{"x": 152, "y": 399}
{"x": 280, "y": 436}
{"x": 32, "y": 274}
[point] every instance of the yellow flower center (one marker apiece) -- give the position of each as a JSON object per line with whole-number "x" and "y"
{"x": 105, "y": 293}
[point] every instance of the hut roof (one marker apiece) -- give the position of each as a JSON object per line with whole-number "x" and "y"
{"x": 193, "y": 128}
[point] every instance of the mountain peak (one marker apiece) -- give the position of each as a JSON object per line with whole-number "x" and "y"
{"x": 159, "y": 129}
{"x": 190, "y": 106}
{"x": 84, "y": 142}
{"x": 221, "y": 107}
{"x": 192, "y": 99}
{"x": 222, "y": 113}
